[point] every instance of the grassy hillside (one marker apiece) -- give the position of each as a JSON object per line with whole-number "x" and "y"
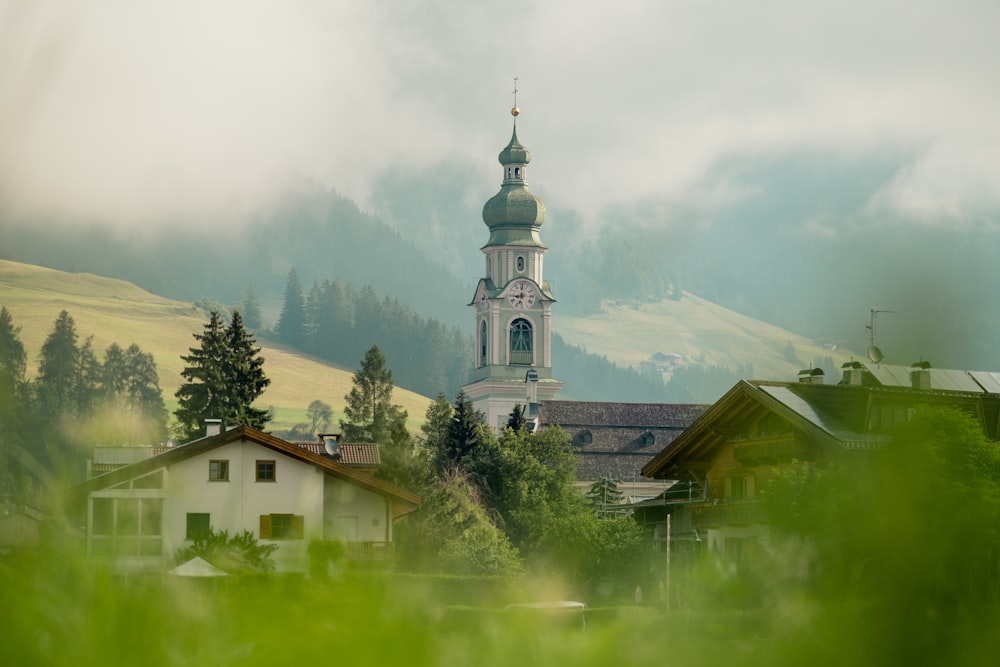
{"x": 699, "y": 331}
{"x": 117, "y": 311}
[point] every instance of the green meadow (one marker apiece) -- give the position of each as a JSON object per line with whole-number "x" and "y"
{"x": 117, "y": 311}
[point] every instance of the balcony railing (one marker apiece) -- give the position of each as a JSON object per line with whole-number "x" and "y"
{"x": 370, "y": 551}
{"x": 733, "y": 513}
{"x": 521, "y": 357}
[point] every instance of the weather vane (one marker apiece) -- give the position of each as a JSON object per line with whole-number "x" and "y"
{"x": 515, "y": 110}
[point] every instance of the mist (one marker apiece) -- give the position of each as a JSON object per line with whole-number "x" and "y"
{"x": 145, "y": 113}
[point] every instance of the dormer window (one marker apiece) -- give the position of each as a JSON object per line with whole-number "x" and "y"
{"x": 586, "y": 437}
{"x": 647, "y": 439}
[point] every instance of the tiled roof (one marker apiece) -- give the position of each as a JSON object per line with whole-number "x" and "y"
{"x": 617, "y": 439}
{"x": 403, "y": 501}
{"x": 601, "y": 413}
{"x": 351, "y": 453}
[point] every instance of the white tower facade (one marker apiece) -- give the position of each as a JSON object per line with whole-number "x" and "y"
{"x": 512, "y": 306}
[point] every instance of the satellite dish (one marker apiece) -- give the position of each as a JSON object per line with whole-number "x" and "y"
{"x": 875, "y": 354}
{"x": 331, "y": 446}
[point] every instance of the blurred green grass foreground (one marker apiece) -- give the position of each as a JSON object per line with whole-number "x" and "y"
{"x": 889, "y": 560}
{"x": 58, "y": 611}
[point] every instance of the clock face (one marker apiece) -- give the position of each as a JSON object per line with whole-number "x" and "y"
{"x": 521, "y": 295}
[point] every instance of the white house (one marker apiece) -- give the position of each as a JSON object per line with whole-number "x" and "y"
{"x": 139, "y": 514}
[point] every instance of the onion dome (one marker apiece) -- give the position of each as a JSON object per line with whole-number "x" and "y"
{"x": 515, "y": 213}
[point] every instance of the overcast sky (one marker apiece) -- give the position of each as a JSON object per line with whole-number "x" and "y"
{"x": 138, "y": 111}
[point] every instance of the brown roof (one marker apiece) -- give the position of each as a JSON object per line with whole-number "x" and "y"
{"x": 617, "y": 439}
{"x": 362, "y": 454}
{"x": 404, "y": 501}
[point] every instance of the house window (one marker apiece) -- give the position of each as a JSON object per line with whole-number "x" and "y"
{"x": 126, "y": 527}
{"x": 265, "y": 471}
{"x": 520, "y": 342}
{"x": 218, "y": 471}
{"x": 282, "y": 526}
{"x": 198, "y": 525}
{"x": 741, "y": 488}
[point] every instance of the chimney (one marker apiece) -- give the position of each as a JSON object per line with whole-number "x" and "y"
{"x": 853, "y": 373}
{"x": 920, "y": 375}
{"x": 811, "y": 376}
{"x": 213, "y": 427}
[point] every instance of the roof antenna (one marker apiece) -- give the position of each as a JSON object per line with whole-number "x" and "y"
{"x": 874, "y": 353}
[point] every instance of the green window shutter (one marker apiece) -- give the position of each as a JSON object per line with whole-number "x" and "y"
{"x": 298, "y": 526}
{"x": 265, "y": 526}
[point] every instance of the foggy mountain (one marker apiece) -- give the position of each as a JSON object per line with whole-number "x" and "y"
{"x": 802, "y": 248}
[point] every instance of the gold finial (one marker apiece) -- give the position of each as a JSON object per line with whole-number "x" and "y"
{"x": 515, "y": 111}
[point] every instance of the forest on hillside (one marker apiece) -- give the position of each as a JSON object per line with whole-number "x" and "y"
{"x": 801, "y": 252}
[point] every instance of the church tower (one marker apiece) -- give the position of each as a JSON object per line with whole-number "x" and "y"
{"x": 512, "y": 306}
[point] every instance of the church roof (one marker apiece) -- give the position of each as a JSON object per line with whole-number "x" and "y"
{"x": 617, "y": 439}
{"x": 514, "y": 153}
{"x": 515, "y": 213}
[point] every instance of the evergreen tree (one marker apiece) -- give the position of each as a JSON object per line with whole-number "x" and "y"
{"x": 367, "y": 405}
{"x": 225, "y": 375}
{"x": 437, "y": 421}
{"x": 57, "y": 368}
{"x": 142, "y": 392}
{"x": 244, "y": 372}
{"x": 250, "y": 310}
{"x": 14, "y": 404}
{"x": 372, "y": 417}
{"x": 291, "y": 327}
{"x": 604, "y": 492}
{"x": 87, "y": 379}
{"x": 113, "y": 374}
{"x": 465, "y": 430}
{"x": 12, "y": 356}
{"x": 516, "y": 420}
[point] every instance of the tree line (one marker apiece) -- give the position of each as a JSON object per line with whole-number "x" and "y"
{"x": 338, "y": 323}
{"x": 46, "y": 423}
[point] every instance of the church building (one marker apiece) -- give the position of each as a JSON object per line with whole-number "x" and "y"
{"x": 512, "y": 305}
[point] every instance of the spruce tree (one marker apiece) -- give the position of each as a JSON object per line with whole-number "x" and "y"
{"x": 516, "y": 420}
{"x": 464, "y": 429}
{"x": 291, "y": 327}
{"x": 243, "y": 369}
{"x": 12, "y": 355}
{"x": 372, "y": 417}
{"x": 250, "y": 309}
{"x": 368, "y": 404}
{"x": 57, "y": 368}
{"x": 225, "y": 376}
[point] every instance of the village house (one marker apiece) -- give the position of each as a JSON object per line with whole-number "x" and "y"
{"x": 140, "y": 511}
{"x": 728, "y": 455}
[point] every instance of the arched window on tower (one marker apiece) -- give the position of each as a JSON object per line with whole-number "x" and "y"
{"x": 482, "y": 344}
{"x": 520, "y": 342}
{"x": 517, "y": 172}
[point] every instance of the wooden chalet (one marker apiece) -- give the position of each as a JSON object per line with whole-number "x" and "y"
{"x": 730, "y": 452}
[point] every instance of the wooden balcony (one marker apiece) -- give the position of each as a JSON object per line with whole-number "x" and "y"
{"x": 768, "y": 451}
{"x": 733, "y": 513}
